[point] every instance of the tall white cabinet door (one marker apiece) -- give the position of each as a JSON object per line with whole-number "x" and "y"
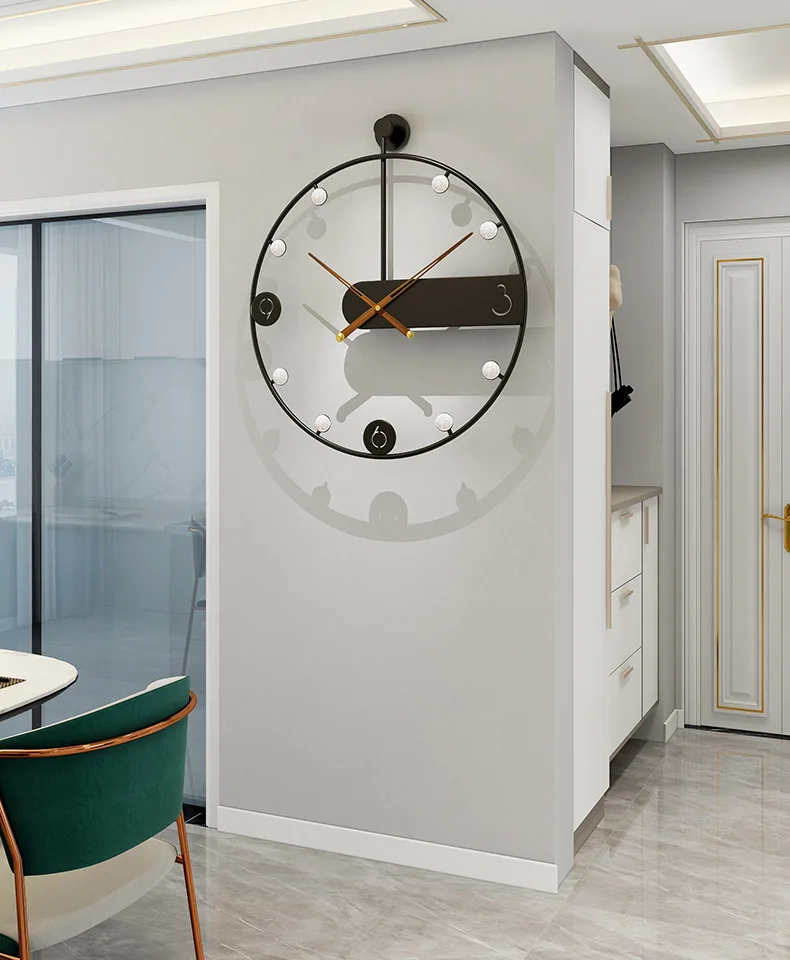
{"x": 649, "y": 604}
{"x": 785, "y": 498}
{"x": 592, "y": 150}
{"x": 590, "y": 519}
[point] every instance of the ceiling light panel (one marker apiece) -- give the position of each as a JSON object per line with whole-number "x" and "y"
{"x": 164, "y": 22}
{"x": 745, "y": 66}
{"x": 59, "y": 48}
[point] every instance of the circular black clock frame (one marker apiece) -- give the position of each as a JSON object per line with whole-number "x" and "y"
{"x": 381, "y": 158}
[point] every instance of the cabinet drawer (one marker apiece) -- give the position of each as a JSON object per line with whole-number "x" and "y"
{"x": 625, "y": 637}
{"x": 626, "y": 545}
{"x": 625, "y": 700}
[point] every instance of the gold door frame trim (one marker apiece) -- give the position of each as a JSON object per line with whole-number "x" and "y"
{"x": 761, "y": 261}
{"x": 436, "y": 18}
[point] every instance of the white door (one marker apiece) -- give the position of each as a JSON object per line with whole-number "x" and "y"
{"x": 742, "y": 287}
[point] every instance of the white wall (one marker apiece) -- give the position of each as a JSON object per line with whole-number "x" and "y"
{"x": 643, "y": 432}
{"x": 447, "y": 718}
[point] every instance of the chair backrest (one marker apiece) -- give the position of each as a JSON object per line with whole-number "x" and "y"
{"x": 76, "y": 810}
{"x": 198, "y": 530}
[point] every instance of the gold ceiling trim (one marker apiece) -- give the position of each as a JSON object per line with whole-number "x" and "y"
{"x": 437, "y": 18}
{"x": 705, "y": 36}
{"x": 685, "y": 100}
{"x": 749, "y": 136}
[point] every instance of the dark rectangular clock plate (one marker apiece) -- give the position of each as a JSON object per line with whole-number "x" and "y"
{"x": 444, "y": 302}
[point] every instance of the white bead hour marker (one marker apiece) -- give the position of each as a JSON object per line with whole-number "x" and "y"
{"x": 278, "y": 247}
{"x": 280, "y": 377}
{"x": 318, "y": 196}
{"x": 491, "y": 370}
{"x": 322, "y": 423}
{"x": 444, "y": 422}
{"x": 489, "y": 229}
{"x": 440, "y": 184}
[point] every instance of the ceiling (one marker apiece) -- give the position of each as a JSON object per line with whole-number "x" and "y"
{"x": 53, "y": 49}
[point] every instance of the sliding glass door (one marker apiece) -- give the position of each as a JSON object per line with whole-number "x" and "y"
{"x": 16, "y": 600}
{"x": 121, "y": 321}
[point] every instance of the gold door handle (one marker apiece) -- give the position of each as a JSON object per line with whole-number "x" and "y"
{"x": 626, "y": 594}
{"x": 626, "y": 673}
{"x": 626, "y": 516}
{"x": 785, "y": 520}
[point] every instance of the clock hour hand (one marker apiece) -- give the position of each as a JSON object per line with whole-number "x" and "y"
{"x": 387, "y": 316}
{"x": 378, "y": 307}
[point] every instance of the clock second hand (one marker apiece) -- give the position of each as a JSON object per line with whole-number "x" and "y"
{"x": 371, "y": 303}
{"x": 386, "y": 301}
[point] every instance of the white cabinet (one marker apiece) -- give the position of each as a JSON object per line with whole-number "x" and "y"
{"x": 625, "y": 636}
{"x": 590, "y": 519}
{"x": 650, "y": 604}
{"x": 626, "y": 544}
{"x": 592, "y": 150}
{"x": 632, "y": 641}
{"x": 589, "y": 352}
{"x": 625, "y": 699}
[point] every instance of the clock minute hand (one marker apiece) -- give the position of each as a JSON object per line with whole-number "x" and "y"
{"x": 399, "y": 290}
{"x": 387, "y": 316}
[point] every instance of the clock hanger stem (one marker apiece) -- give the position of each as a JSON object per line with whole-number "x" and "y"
{"x": 384, "y": 258}
{"x": 391, "y": 133}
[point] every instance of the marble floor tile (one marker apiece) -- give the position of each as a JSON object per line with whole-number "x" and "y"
{"x": 694, "y": 863}
{"x": 691, "y": 861}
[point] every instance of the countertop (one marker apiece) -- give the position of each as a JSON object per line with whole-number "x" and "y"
{"x": 139, "y": 515}
{"x": 623, "y": 497}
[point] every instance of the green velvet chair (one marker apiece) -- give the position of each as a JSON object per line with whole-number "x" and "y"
{"x": 81, "y": 804}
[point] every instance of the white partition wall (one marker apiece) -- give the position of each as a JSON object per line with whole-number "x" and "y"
{"x": 396, "y": 682}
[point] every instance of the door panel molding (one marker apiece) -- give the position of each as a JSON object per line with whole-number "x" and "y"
{"x": 740, "y": 485}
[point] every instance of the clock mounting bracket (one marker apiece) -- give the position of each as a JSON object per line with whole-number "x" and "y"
{"x": 393, "y": 130}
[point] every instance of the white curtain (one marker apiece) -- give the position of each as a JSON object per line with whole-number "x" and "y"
{"x": 81, "y": 296}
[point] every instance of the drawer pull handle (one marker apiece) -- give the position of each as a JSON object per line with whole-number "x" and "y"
{"x": 626, "y": 516}
{"x": 626, "y": 594}
{"x": 626, "y": 673}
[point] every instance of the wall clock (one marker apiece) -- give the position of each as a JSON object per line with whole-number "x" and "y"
{"x": 388, "y": 303}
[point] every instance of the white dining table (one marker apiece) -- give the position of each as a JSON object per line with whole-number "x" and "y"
{"x": 27, "y": 679}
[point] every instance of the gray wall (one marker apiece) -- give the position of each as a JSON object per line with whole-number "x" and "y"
{"x": 391, "y": 658}
{"x": 733, "y": 185}
{"x": 643, "y": 433}
{"x": 655, "y": 195}
{"x": 749, "y": 184}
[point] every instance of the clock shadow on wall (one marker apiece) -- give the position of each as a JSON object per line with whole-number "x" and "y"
{"x": 385, "y": 332}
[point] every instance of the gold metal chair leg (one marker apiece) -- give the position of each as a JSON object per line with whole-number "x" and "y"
{"x": 23, "y": 935}
{"x": 189, "y": 882}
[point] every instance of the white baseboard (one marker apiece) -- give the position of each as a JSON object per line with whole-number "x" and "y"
{"x": 460, "y": 862}
{"x": 672, "y": 723}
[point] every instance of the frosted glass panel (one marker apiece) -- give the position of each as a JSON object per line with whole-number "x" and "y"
{"x": 123, "y": 424}
{"x": 15, "y": 449}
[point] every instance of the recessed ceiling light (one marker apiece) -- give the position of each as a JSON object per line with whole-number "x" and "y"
{"x": 46, "y": 39}
{"x": 736, "y": 84}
